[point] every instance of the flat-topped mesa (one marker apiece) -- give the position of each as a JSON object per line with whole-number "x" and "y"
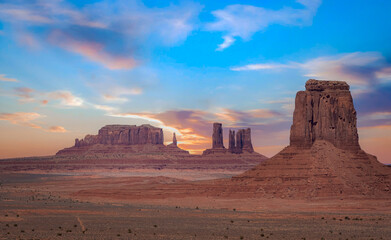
{"x": 124, "y": 135}
{"x": 325, "y": 111}
{"x": 217, "y": 137}
{"x": 317, "y": 85}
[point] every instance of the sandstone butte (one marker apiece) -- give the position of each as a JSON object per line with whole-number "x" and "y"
{"x": 242, "y": 144}
{"x": 131, "y": 141}
{"x": 125, "y": 139}
{"x": 324, "y": 158}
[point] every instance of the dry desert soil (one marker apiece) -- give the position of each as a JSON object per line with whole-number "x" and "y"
{"x": 45, "y": 206}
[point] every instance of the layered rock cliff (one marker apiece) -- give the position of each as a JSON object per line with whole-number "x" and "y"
{"x": 114, "y": 141}
{"x": 324, "y": 111}
{"x": 242, "y": 143}
{"x": 239, "y": 143}
{"x": 324, "y": 158}
{"x": 124, "y": 134}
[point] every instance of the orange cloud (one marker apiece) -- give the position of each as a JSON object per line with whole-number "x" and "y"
{"x": 21, "y": 118}
{"x": 57, "y": 129}
{"x": 92, "y": 50}
{"x": 6, "y": 79}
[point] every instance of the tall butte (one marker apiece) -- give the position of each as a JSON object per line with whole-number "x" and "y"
{"x": 324, "y": 158}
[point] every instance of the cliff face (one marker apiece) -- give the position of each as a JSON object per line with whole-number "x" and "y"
{"x": 217, "y": 137}
{"x": 324, "y": 111}
{"x": 242, "y": 142}
{"x": 124, "y": 135}
{"x": 324, "y": 158}
{"x": 115, "y": 141}
{"x": 239, "y": 143}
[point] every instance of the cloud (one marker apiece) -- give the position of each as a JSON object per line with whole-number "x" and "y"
{"x": 21, "y": 118}
{"x": 66, "y": 98}
{"x": 111, "y": 98}
{"x": 57, "y": 129}
{"x": 6, "y": 79}
{"x": 234, "y": 117}
{"x": 228, "y": 41}
{"x": 111, "y": 33}
{"x": 116, "y": 93}
{"x": 245, "y": 20}
{"x": 357, "y": 68}
{"x": 105, "y": 108}
{"x": 260, "y": 66}
{"x": 25, "y": 94}
{"x": 92, "y": 50}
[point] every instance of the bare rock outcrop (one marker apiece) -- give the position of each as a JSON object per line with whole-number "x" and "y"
{"x": 114, "y": 140}
{"x": 242, "y": 143}
{"x": 237, "y": 144}
{"x": 174, "y": 141}
{"x": 324, "y": 111}
{"x": 217, "y": 137}
{"x": 324, "y": 158}
{"x": 125, "y": 135}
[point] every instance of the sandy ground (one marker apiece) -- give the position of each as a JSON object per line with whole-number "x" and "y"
{"x": 41, "y": 206}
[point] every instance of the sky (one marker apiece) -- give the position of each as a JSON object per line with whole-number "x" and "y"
{"x": 68, "y": 67}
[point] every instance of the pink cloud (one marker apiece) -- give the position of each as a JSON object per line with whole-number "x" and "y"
{"x": 92, "y": 50}
{"x": 67, "y": 98}
{"x": 6, "y": 79}
{"x": 21, "y": 118}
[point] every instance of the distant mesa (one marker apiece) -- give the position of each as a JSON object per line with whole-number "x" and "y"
{"x": 324, "y": 158}
{"x": 114, "y": 139}
{"x": 242, "y": 143}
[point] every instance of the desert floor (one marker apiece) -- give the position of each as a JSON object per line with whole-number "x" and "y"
{"x": 43, "y": 206}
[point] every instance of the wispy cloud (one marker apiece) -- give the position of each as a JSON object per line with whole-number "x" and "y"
{"x": 57, "y": 129}
{"x": 25, "y": 94}
{"x": 244, "y": 20}
{"x": 27, "y": 119}
{"x": 7, "y": 79}
{"x": 111, "y": 33}
{"x": 92, "y": 50}
{"x": 21, "y": 118}
{"x": 262, "y": 66}
{"x": 66, "y": 98}
{"x": 358, "y": 68}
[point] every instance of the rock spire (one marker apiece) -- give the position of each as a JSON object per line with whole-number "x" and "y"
{"x": 217, "y": 137}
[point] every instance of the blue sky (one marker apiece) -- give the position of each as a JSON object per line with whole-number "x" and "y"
{"x": 69, "y": 67}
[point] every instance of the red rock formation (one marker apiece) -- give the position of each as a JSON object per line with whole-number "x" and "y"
{"x": 124, "y": 134}
{"x": 231, "y": 142}
{"x": 118, "y": 140}
{"x": 324, "y": 111}
{"x": 174, "y": 141}
{"x": 324, "y": 158}
{"x": 217, "y": 137}
{"x": 242, "y": 143}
